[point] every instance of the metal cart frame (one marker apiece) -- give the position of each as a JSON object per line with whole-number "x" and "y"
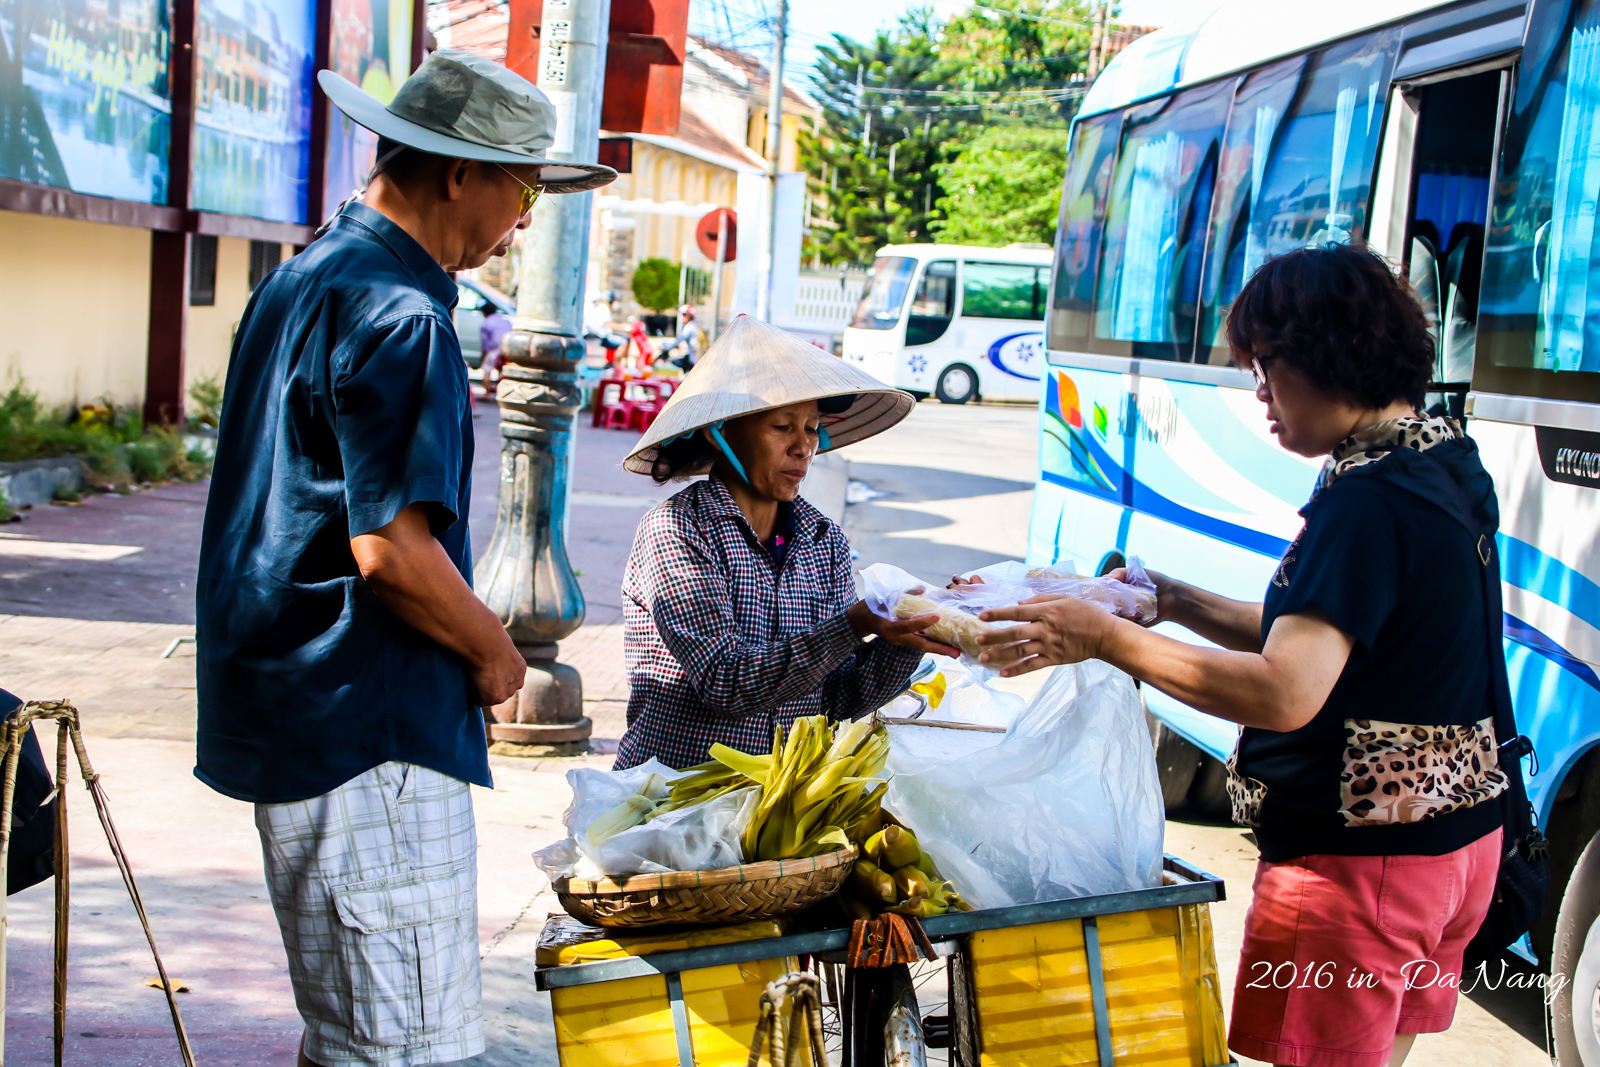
{"x": 1191, "y": 886}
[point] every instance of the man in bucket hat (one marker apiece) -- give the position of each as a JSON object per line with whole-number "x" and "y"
{"x": 343, "y": 658}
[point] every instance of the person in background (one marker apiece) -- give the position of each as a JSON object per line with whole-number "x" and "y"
{"x": 1368, "y": 681}
{"x": 492, "y": 333}
{"x": 685, "y": 348}
{"x": 343, "y": 659}
{"x": 597, "y": 325}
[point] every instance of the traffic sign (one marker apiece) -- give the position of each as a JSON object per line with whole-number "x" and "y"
{"x": 705, "y": 233}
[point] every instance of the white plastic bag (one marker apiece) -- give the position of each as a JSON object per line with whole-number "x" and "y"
{"x": 698, "y": 837}
{"x": 970, "y": 695}
{"x": 1067, "y": 804}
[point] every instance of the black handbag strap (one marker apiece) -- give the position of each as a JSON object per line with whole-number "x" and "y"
{"x": 1511, "y": 746}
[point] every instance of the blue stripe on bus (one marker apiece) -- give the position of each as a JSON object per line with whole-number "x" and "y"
{"x": 1528, "y": 568}
{"x": 1530, "y": 637}
{"x": 1152, "y": 503}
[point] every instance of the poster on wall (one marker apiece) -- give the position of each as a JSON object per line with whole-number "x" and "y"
{"x": 370, "y": 44}
{"x": 252, "y": 107}
{"x": 84, "y": 103}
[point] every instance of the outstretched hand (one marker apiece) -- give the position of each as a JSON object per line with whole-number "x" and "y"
{"x": 1054, "y": 630}
{"x": 907, "y": 633}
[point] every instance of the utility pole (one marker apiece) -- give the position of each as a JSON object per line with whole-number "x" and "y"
{"x": 1097, "y": 42}
{"x": 769, "y": 262}
{"x": 524, "y": 574}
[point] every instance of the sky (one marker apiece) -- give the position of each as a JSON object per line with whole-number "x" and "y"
{"x": 813, "y": 22}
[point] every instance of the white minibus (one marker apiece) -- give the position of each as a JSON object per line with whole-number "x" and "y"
{"x": 954, "y": 321}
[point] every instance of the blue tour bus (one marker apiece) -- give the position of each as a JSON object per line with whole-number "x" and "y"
{"x": 1460, "y": 140}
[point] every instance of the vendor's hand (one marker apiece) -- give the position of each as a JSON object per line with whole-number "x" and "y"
{"x": 907, "y": 633}
{"x": 956, "y": 581}
{"x": 1054, "y": 630}
{"x": 1168, "y": 591}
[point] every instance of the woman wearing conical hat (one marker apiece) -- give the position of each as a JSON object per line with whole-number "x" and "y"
{"x": 738, "y": 600}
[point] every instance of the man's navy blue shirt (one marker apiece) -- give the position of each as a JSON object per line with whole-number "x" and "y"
{"x": 346, "y": 402}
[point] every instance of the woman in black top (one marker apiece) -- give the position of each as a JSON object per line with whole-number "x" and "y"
{"x": 1367, "y": 763}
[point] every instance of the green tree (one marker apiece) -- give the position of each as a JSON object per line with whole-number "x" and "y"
{"x": 1005, "y": 186}
{"x": 885, "y": 127}
{"x": 891, "y": 161}
{"x": 655, "y": 283}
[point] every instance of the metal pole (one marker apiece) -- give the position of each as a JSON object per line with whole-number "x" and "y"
{"x": 774, "y": 147}
{"x": 716, "y": 277}
{"x": 683, "y": 280}
{"x": 524, "y": 574}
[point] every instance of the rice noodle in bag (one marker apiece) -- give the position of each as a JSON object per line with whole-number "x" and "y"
{"x": 895, "y": 594}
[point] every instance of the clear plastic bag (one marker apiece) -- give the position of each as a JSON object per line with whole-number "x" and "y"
{"x": 895, "y": 594}
{"x": 1066, "y": 804}
{"x": 1134, "y": 598}
{"x": 698, "y": 837}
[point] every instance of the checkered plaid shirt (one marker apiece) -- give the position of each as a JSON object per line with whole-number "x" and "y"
{"x": 721, "y": 642}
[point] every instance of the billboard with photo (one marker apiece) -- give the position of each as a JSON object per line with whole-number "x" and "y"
{"x": 252, "y": 107}
{"x": 369, "y": 43}
{"x": 84, "y": 103}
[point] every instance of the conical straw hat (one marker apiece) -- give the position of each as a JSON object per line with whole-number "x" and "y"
{"x": 755, "y": 367}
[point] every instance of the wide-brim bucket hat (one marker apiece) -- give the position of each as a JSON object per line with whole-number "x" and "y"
{"x": 755, "y": 367}
{"x": 463, "y": 106}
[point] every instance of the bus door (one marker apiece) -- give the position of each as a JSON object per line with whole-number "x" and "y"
{"x": 1439, "y": 163}
{"x": 933, "y": 308}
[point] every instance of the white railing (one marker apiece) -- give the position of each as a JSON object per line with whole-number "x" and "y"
{"x": 825, "y": 300}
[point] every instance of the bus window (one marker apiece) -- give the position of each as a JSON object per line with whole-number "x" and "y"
{"x": 1001, "y": 291}
{"x": 881, "y": 303}
{"x": 1318, "y": 177}
{"x": 934, "y": 305}
{"x": 1234, "y": 255}
{"x": 1083, "y": 213}
{"x": 1160, "y": 201}
{"x": 1540, "y": 294}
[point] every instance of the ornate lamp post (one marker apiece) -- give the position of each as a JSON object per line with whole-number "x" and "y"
{"x": 524, "y": 575}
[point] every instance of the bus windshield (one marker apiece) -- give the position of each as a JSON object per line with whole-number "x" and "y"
{"x": 880, "y": 307}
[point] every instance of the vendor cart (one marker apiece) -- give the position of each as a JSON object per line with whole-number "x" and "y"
{"x": 1120, "y": 980}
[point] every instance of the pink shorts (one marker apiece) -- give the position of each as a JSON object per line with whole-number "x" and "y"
{"x": 1341, "y": 953}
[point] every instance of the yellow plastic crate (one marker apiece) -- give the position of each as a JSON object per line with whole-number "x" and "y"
{"x": 1035, "y": 1000}
{"x": 629, "y": 1021}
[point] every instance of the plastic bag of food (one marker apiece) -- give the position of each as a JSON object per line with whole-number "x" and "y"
{"x": 894, "y": 594}
{"x": 698, "y": 837}
{"x": 1133, "y": 599}
{"x": 1066, "y": 804}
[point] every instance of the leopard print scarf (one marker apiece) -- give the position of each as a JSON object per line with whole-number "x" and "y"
{"x": 1376, "y": 441}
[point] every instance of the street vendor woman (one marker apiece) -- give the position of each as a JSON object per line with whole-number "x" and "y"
{"x": 738, "y": 600}
{"x": 343, "y": 659}
{"x": 1368, "y": 681}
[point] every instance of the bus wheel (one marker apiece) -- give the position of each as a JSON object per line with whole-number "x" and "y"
{"x": 957, "y": 385}
{"x": 1575, "y": 965}
{"x": 1177, "y": 762}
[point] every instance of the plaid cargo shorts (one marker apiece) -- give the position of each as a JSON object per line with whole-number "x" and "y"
{"x": 375, "y": 888}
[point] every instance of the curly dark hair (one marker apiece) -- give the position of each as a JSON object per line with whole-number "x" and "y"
{"x": 682, "y": 459}
{"x": 1342, "y": 318}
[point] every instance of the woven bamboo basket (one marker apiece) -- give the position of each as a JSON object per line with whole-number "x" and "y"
{"x": 727, "y": 895}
